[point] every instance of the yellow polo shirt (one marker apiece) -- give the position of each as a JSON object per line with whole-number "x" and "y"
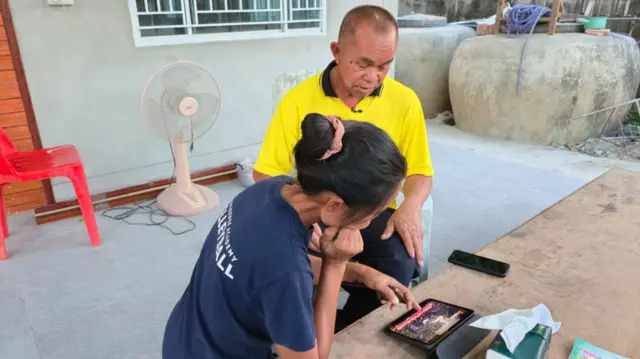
{"x": 392, "y": 107}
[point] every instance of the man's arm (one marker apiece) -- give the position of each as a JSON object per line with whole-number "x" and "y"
{"x": 415, "y": 148}
{"x": 417, "y": 188}
{"x": 257, "y": 176}
{"x": 276, "y": 153}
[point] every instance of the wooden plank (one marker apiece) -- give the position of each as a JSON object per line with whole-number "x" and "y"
{"x": 11, "y": 106}
{"x": 28, "y": 196}
{"x": 4, "y": 48}
{"x": 589, "y": 10}
{"x": 18, "y": 132}
{"x": 6, "y": 62}
{"x": 627, "y": 4}
{"x": 3, "y": 33}
{"x": 22, "y": 205}
{"x": 8, "y": 77}
{"x": 24, "y": 145}
{"x": 9, "y": 92}
{"x": 13, "y": 119}
{"x": 16, "y": 188}
{"x": 579, "y": 258}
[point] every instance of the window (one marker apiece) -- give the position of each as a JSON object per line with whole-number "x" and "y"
{"x": 165, "y": 22}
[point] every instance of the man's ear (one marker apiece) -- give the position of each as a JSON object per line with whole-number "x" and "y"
{"x": 335, "y": 50}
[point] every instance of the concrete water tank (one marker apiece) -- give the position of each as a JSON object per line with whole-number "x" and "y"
{"x": 422, "y": 62}
{"x": 563, "y": 76}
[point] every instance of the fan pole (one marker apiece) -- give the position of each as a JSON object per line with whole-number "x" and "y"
{"x": 183, "y": 175}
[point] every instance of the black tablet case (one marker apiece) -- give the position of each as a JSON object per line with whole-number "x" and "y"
{"x": 460, "y": 342}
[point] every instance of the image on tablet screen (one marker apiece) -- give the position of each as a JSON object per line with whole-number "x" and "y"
{"x": 430, "y": 323}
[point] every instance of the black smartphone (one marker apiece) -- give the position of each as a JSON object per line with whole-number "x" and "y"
{"x": 480, "y": 264}
{"x": 431, "y": 324}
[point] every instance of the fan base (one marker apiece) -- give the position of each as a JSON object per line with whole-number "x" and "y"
{"x": 177, "y": 203}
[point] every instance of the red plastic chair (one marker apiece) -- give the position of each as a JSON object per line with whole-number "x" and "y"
{"x": 22, "y": 166}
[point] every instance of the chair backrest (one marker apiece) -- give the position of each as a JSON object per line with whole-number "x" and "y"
{"x": 286, "y": 81}
{"x": 6, "y": 146}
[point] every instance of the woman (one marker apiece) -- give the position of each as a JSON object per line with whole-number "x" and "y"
{"x": 253, "y": 285}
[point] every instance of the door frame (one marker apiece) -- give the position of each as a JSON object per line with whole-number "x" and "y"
{"x": 5, "y": 10}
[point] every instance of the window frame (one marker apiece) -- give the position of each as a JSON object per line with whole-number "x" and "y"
{"x": 141, "y": 41}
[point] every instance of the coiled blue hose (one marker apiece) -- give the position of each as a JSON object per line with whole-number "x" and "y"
{"x": 522, "y": 19}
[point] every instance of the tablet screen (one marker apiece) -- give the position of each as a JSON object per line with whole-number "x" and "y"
{"x": 434, "y": 321}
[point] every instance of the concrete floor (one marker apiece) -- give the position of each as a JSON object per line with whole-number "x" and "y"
{"x": 62, "y": 299}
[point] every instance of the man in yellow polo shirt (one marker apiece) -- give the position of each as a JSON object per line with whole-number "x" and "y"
{"x": 355, "y": 86}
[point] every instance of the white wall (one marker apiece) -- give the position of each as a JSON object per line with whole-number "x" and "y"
{"x": 86, "y": 77}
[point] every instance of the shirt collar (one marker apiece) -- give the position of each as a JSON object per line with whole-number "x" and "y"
{"x": 325, "y": 82}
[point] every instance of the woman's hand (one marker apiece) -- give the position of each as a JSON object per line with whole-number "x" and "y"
{"x": 314, "y": 244}
{"x": 391, "y": 290}
{"x": 340, "y": 245}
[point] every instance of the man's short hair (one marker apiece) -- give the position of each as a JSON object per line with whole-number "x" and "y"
{"x": 377, "y": 17}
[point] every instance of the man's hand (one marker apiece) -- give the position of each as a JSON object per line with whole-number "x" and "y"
{"x": 406, "y": 221}
{"x": 394, "y": 293}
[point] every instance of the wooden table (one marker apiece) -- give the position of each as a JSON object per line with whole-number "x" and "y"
{"x": 580, "y": 257}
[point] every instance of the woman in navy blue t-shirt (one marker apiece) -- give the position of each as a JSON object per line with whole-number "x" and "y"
{"x": 253, "y": 285}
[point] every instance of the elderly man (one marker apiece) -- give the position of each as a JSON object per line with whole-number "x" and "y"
{"x": 355, "y": 86}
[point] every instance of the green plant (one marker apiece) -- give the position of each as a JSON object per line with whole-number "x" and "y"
{"x": 633, "y": 117}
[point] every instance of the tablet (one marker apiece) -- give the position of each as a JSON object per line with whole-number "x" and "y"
{"x": 431, "y": 324}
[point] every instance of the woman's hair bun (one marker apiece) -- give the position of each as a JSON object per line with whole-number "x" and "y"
{"x": 316, "y": 139}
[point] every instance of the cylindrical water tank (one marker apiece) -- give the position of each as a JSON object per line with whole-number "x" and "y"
{"x": 563, "y": 76}
{"x": 423, "y": 59}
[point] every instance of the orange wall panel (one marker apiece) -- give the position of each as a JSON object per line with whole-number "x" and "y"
{"x": 13, "y": 119}
{"x": 24, "y": 196}
{"x": 9, "y": 91}
{"x": 8, "y": 77}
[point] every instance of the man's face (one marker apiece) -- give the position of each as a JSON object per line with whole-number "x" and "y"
{"x": 364, "y": 59}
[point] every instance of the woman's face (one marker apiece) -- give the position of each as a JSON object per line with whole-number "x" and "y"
{"x": 335, "y": 213}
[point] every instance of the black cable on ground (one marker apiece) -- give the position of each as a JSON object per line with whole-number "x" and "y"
{"x": 157, "y": 217}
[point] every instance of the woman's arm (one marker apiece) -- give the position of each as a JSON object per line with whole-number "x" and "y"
{"x": 339, "y": 245}
{"x": 391, "y": 290}
{"x": 286, "y": 353}
{"x": 325, "y": 304}
{"x": 353, "y": 271}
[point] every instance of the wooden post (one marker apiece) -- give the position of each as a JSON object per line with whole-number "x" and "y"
{"x": 498, "y": 23}
{"x": 553, "y": 19}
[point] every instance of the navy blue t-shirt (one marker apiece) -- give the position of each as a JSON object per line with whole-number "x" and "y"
{"x": 252, "y": 285}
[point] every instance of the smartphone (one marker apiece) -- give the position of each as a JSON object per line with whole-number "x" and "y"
{"x": 431, "y": 324}
{"x": 480, "y": 264}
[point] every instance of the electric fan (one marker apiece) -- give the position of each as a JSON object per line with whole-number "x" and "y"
{"x": 180, "y": 103}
